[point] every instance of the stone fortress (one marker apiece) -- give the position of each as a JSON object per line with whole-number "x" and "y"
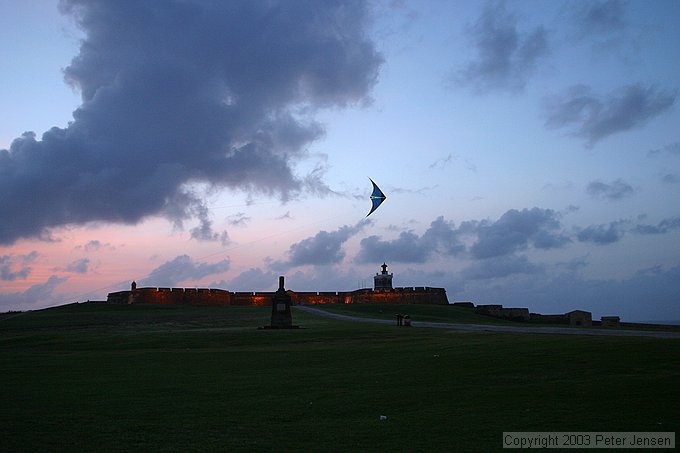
{"x": 382, "y": 293}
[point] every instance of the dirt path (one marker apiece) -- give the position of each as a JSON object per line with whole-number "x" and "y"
{"x": 495, "y": 328}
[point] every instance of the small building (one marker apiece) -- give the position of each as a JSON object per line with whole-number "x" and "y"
{"x": 383, "y": 280}
{"x": 580, "y": 318}
{"x": 610, "y": 321}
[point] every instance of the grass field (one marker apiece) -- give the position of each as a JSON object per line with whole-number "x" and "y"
{"x": 179, "y": 378}
{"x": 424, "y": 312}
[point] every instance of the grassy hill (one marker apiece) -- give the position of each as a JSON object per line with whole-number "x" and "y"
{"x": 181, "y": 378}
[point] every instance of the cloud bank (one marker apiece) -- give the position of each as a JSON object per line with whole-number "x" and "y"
{"x": 488, "y": 261}
{"x": 33, "y": 297}
{"x": 514, "y": 231}
{"x": 325, "y": 248}
{"x": 183, "y": 268}
{"x": 180, "y": 92}
{"x": 615, "y": 190}
{"x": 602, "y": 234}
{"x": 593, "y": 117}
{"x": 80, "y": 266}
{"x": 14, "y": 267}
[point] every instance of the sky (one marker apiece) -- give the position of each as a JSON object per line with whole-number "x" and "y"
{"x": 529, "y": 150}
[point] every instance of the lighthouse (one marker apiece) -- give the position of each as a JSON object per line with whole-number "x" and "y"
{"x": 383, "y": 280}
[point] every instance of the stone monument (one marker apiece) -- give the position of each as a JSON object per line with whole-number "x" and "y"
{"x": 281, "y": 314}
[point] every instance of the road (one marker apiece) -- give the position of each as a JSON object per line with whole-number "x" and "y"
{"x": 498, "y": 328}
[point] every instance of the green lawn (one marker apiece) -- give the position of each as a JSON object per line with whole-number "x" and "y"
{"x": 170, "y": 378}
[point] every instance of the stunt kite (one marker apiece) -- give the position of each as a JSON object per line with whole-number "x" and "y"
{"x": 377, "y": 197}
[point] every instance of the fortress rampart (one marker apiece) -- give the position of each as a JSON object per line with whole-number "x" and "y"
{"x": 211, "y": 296}
{"x": 383, "y": 293}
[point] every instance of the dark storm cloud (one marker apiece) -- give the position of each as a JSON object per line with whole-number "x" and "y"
{"x": 615, "y": 190}
{"x": 602, "y": 234}
{"x": 441, "y": 237}
{"x": 322, "y": 249}
{"x": 179, "y": 92}
{"x": 506, "y": 57}
{"x": 517, "y": 230}
{"x": 593, "y": 117}
{"x": 16, "y": 267}
{"x": 183, "y": 268}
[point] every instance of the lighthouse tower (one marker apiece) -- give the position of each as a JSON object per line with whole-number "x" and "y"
{"x": 382, "y": 280}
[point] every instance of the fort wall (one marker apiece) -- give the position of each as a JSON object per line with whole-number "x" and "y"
{"x": 498, "y": 311}
{"x": 211, "y": 296}
{"x": 549, "y": 319}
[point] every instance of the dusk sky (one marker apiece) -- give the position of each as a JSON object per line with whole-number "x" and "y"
{"x": 529, "y": 150}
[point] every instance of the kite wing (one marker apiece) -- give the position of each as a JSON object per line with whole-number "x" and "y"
{"x": 377, "y": 197}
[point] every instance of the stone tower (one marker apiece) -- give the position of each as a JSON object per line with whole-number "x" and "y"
{"x": 382, "y": 280}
